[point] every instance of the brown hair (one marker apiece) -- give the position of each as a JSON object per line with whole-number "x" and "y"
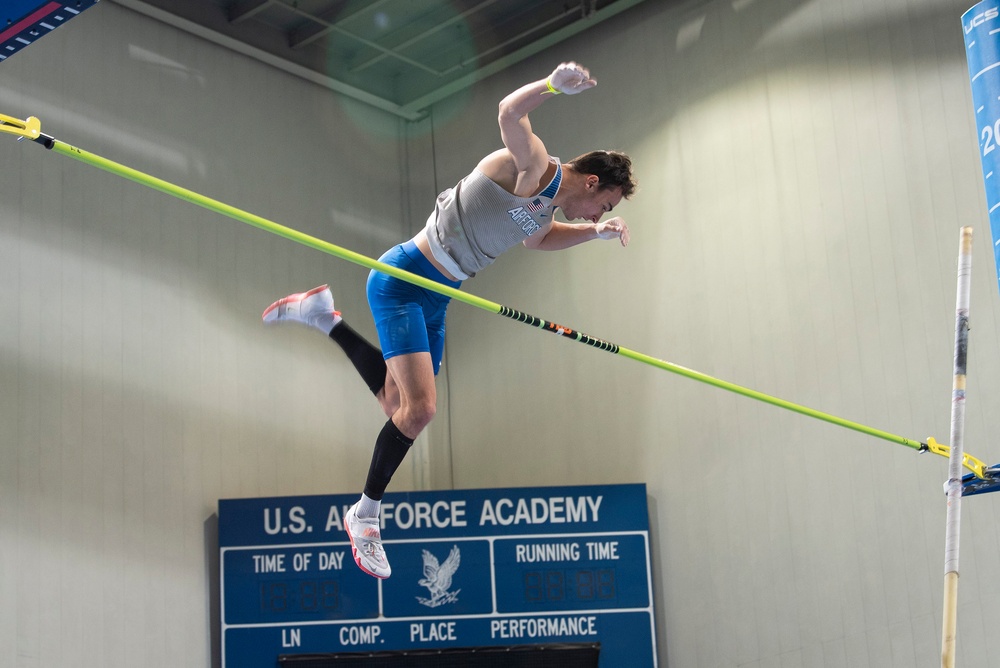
{"x": 613, "y": 168}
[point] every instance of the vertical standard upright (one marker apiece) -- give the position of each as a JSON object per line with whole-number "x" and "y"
{"x": 954, "y": 485}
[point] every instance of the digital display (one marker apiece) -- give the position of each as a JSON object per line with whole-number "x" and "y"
{"x": 470, "y": 568}
{"x": 293, "y": 584}
{"x": 570, "y": 574}
{"x": 302, "y": 596}
{"x": 578, "y": 585}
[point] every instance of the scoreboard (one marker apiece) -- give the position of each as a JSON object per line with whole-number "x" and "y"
{"x": 470, "y": 568}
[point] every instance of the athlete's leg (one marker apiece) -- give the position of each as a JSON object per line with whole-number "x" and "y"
{"x": 366, "y": 358}
{"x": 409, "y": 319}
{"x": 414, "y": 378}
{"x": 415, "y": 382}
{"x": 388, "y": 396}
{"x": 417, "y": 406}
{"x": 409, "y": 385}
{"x": 315, "y": 309}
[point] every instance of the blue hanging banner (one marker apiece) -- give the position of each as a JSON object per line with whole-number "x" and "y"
{"x": 981, "y": 25}
{"x": 23, "y": 22}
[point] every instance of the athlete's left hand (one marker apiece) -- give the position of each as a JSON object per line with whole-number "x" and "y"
{"x": 571, "y": 78}
{"x": 613, "y": 228}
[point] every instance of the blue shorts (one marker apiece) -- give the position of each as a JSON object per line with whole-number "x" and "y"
{"x": 409, "y": 319}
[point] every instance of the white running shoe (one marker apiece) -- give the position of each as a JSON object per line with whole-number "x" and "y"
{"x": 366, "y": 544}
{"x": 313, "y": 308}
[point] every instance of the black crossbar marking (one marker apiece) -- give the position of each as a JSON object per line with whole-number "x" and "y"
{"x": 559, "y": 329}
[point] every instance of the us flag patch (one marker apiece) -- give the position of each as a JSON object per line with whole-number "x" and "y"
{"x": 535, "y": 206}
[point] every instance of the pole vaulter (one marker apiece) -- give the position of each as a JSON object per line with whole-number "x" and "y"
{"x": 981, "y": 479}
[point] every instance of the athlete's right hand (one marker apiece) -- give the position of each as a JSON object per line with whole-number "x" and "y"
{"x": 613, "y": 228}
{"x": 571, "y": 78}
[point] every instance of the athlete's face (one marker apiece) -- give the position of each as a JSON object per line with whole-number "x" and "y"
{"x": 593, "y": 202}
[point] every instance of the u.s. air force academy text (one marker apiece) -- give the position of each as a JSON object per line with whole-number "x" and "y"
{"x": 504, "y": 512}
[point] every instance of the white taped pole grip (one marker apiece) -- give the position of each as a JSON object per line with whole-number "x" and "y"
{"x": 954, "y": 484}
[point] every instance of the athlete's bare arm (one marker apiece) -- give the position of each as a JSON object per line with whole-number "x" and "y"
{"x": 523, "y": 161}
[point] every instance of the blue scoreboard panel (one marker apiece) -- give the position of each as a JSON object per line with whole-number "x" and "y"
{"x": 470, "y": 568}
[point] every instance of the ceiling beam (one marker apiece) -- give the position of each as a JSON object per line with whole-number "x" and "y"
{"x": 297, "y": 42}
{"x": 411, "y": 111}
{"x": 247, "y": 9}
{"x": 427, "y": 33}
{"x": 270, "y": 59}
{"x": 591, "y": 20}
{"x": 333, "y": 27}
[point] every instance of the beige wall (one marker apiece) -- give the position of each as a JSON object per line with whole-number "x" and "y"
{"x": 804, "y": 169}
{"x": 138, "y": 383}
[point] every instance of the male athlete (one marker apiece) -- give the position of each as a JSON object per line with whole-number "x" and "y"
{"x": 509, "y": 198}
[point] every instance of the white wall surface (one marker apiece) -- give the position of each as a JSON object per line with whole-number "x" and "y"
{"x": 804, "y": 167}
{"x": 804, "y": 171}
{"x": 138, "y": 383}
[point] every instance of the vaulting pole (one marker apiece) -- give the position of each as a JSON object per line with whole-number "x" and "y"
{"x": 954, "y": 484}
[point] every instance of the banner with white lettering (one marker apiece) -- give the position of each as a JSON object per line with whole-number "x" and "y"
{"x": 471, "y": 568}
{"x": 981, "y": 25}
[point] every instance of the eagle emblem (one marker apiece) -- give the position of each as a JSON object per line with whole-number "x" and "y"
{"x": 437, "y": 578}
